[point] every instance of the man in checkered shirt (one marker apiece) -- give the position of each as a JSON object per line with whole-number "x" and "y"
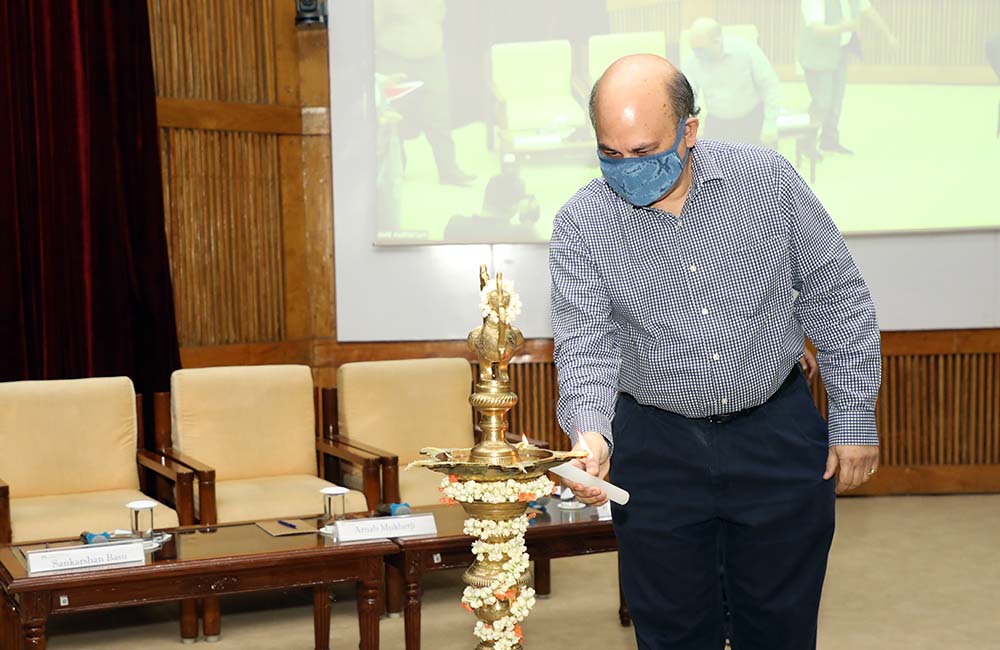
{"x": 683, "y": 282}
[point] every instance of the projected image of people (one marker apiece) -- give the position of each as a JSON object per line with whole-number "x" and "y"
{"x": 482, "y": 113}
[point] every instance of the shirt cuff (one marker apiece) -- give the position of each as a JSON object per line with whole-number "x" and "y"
{"x": 852, "y": 428}
{"x": 592, "y": 421}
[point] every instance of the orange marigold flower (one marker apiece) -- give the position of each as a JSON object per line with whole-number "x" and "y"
{"x": 500, "y": 595}
{"x": 524, "y": 496}
{"x": 511, "y": 593}
{"x": 467, "y": 607}
{"x": 452, "y": 478}
{"x": 519, "y": 632}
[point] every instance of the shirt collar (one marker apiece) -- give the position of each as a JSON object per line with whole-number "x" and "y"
{"x": 703, "y": 167}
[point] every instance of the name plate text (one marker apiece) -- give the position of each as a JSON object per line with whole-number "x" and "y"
{"x": 86, "y": 557}
{"x": 353, "y": 530}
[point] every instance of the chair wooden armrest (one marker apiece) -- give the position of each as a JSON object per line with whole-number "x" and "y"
{"x": 5, "y": 531}
{"x": 182, "y": 477}
{"x": 366, "y": 448}
{"x": 207, "y": 513}
{"x": 371, "y": 465}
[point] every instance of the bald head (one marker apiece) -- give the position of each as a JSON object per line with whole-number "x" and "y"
{"x": 640, "y": 87}
{"x": 704, "y": 32}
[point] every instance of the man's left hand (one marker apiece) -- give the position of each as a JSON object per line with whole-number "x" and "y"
{"x": 852, "y": 464}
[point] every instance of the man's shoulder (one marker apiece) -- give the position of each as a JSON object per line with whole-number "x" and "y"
{"x": 736, "y": 159}
{"x": 592, "y": 201}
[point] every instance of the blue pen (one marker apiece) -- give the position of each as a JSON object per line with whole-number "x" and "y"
{"x": 287, "y": 523}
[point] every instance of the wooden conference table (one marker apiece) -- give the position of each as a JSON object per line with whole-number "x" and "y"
{"x": 198, "y": 562}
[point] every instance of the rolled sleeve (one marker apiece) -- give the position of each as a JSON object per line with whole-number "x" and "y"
{"x": 836, "y": 311}
{"x": 585, "y": 336}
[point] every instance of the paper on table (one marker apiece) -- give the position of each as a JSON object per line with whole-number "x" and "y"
{"x": 576, "y": 475}
{"x": 273, "y": 528}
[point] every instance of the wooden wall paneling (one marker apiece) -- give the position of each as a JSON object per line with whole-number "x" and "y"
{"x": 216, "y": 50}
{"x": 317, "y": 180}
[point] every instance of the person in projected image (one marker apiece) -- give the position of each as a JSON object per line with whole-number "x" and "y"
{"x": 740, "y": 90}
{"x": 828, "y": 37}
{"x": 409, "y": 40}
{"x": 683, "y": 283}
{"x": 509, "y": 215}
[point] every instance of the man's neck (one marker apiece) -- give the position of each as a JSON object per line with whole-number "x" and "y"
{"x": 674, "y": 201}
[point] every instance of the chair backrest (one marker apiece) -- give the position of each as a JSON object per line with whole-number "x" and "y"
{"x": 605, "y": 49}
{"x": 245, "y": 421}
{"x": 402, "y": 406}
{"x": 532, "y": 69}
{"x": 746, "y": 31}
{"x": 68, "y": 436}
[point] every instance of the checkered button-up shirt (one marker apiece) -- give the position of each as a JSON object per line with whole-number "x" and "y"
{"x": 704, "y": 314}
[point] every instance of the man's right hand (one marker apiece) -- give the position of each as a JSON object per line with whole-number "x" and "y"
{"x": 596, "y": 464}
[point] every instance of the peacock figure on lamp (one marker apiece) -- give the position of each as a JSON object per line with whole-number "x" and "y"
{"x": 495, "y": 480}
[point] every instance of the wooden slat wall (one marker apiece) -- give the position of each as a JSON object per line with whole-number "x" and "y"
{"x": 217, "y": 66}
{"x": 224, "y": 234}
{"x": 214, "y": 49}
{"x": 939, "y": 42}
{"x": 930, "y": 32}
{"x": 937, "y": 409}
{"x": 645, "y": 15}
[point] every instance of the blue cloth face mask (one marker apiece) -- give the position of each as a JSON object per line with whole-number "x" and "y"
{"x": 645, "y": 180}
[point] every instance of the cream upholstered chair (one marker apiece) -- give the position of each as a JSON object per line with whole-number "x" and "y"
{"x": 68, "y": 459}
{"x": 249, "y": 432}
{"x": 401, "y": 407}
{"x": 255, "y": 427}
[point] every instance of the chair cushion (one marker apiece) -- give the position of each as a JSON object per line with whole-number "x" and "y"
{"x": 245, "y": 421}
{"x": 419, "y": 486}
{"x": 403, "y": 406}
{"x": 68, "y": 436}
{"x": 277, "y": 496}
{"x": 68, "y": 515}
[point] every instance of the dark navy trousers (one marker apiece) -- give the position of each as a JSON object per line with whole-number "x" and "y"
{"x": 733, "y": 511}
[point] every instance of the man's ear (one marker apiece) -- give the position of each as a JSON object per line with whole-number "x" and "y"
{"x": 691, "y": 132}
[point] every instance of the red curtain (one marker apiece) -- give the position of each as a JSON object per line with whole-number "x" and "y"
{"x": 84, "y": 277}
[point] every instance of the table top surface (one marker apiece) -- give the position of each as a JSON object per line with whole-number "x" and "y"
{"x": 242, "y": 542}
{"x": 550, "y": 520}
{"x": 246, "y": 542}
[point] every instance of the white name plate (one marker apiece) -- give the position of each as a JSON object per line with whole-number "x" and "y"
{"x": 86, "y": 557}
{"x": 353, "y": 530}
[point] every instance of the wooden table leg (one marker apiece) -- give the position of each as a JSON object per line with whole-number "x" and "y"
{"x": 33, "y": 614}
{"x": 543, "y": 577}
{"x": 321, "y": 616}
{"x": 211, "y": 619}
{"x": 369, "y": 599}
{"x": 413, "y": 570}
{"x": 393, "y": 590}
{"x": 10, "y": 632}
{"x": 189, "y": 620}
